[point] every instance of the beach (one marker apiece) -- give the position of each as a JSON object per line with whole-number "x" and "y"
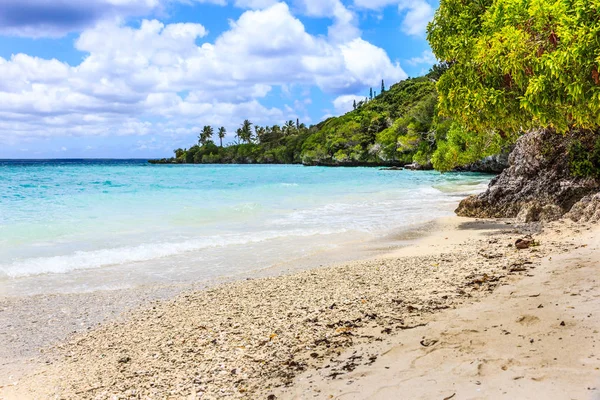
{"x": 433, "y": 318}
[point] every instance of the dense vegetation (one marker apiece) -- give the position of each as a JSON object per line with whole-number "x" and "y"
{"x": 395, "y": 127}
{"x": 515, "y": 65}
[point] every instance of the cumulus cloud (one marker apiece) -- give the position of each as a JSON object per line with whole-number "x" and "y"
{"x": 345, "y": 22}
{"x": 156, "y": 78}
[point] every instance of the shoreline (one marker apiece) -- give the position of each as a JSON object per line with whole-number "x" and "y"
{"x": 40, "y": 321}
{"x": 421, "y": 289}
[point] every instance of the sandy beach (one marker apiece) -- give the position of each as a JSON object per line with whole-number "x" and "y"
{"x": 460, "y": 314}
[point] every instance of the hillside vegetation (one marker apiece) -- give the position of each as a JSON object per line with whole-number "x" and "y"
{"x": 398, "y": 126}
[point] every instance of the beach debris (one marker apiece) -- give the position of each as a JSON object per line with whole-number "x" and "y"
{"x": 525, "y": 243}
{"x": 520, "y": 266}
{"x": 450, "y": 397}
{"x": 563, "y": 324}
{"x": 490, "y": 256}
{"x": 124, "y": 360}
{"x": 428, "y": 342}
{"x": 404, "y": 328}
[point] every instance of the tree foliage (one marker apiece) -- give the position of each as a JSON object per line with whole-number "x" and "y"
{"x": 514, "y": 65}
{"x": 519, "y": 64}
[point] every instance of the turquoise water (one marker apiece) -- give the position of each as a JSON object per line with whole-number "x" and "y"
{"x": 85, "y": 225}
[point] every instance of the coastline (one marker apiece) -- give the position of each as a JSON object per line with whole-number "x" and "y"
{"x": 38, "y": 322}
{"x": 248, "y": 339}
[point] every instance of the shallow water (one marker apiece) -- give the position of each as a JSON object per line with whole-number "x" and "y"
{"x": 71, "y": 226}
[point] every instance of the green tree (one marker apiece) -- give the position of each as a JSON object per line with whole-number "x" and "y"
{"x": 289, "y": 128}
{"x": 354, "y": 104}
{"x": 371, "y": 94}
{"x": 382, "y": 86}
{"x": 245, "y": 132}
{"x": 206, "y": 135}
{"x": 179, "y": 153}
{"x": 519, "y": 64}
{"x": 222, "y": 133}
{"x": 260, "y": 133}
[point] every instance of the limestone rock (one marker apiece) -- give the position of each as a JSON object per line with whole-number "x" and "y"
{"x": 537, "y": 185}
{"x": 586, "y": 210}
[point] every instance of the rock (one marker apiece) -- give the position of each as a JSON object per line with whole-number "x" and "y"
{"x": 392, "y": 169}
{"x": 529, "y": 213}
{"x": 537, "y": 185}
{"x": 419, "y": 167}
{"x": 586, "y": 210}
{"x": 523, "y": 244}
{"x": 490, "y": 165}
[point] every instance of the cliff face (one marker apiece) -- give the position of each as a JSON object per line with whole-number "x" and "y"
{"x": 537, "y": 185}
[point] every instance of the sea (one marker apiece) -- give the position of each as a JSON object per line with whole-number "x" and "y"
{"x": 84, "y": 225}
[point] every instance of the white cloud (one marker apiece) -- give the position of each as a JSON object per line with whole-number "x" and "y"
{"x": 254, "y": 4}
{"x": 344, "y": 104}
{"x": 156, "y": 79}
{"x": 418, "y": 14}
{"x": 426, "y": 57}
{"x": 345, "y": 22}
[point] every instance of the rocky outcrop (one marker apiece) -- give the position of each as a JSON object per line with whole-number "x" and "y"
{"x": 586, "y": 210}
{"x": 537, "y": 185}
{"x": 490, "y": 165}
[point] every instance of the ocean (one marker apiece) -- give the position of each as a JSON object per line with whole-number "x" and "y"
{"x": 84, "y": 225}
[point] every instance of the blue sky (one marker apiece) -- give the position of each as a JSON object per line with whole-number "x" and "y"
{"x": 139, "y": 78}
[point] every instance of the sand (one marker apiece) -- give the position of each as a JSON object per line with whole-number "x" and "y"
{"x": 456, "y": 316}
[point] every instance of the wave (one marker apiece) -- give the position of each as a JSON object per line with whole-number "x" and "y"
{"x": 94, "y": 259}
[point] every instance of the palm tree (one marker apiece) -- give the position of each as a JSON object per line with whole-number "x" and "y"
{"x": 246, "y": 132}
{"x": 238, "y": 135}
{"x": 260, "y": 133}
{"x": 206, "y": 135}
{"x": 289, "y": 127}
{"x": 222, "y": 133}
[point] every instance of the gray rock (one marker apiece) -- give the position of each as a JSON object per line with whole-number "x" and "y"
{"x": 419, "y": 167}
{"x": 491, "y": 165}
{"x": 537, "y": 185}
{"x": 586, "y": 210}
